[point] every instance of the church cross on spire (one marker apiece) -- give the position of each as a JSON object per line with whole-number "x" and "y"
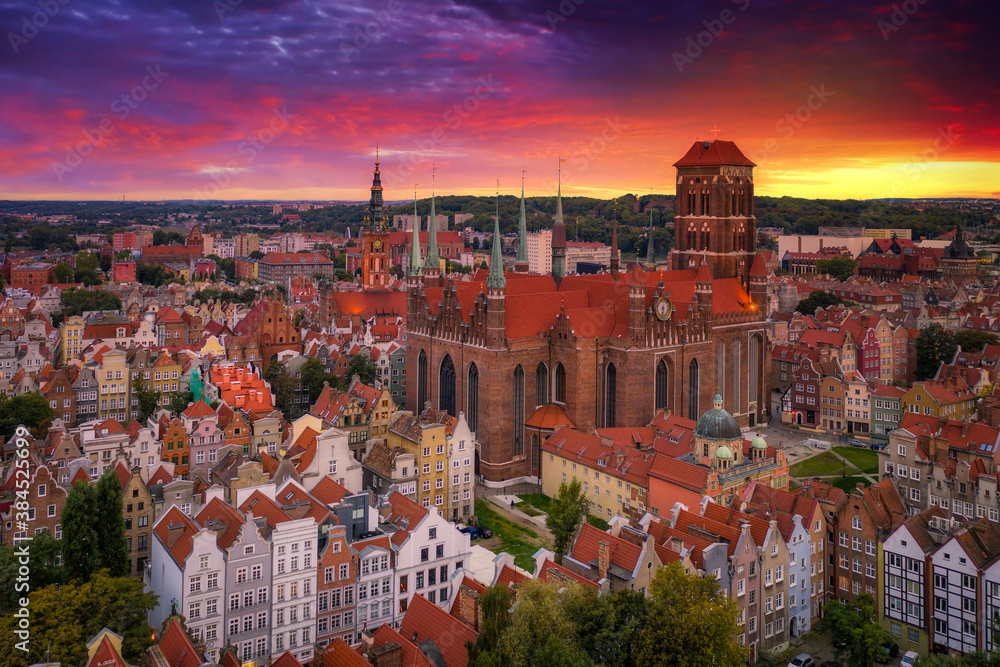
{"x": 496, "y": 278}
{"x": 715, "y": 132}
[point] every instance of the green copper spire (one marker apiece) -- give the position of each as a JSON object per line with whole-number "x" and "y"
{"x": 650, "y": 252}
{"x": 522, "y": 230}
{"x": 496, "y": 279}
{"x": 432, "y": 261}
{"x": 415, "y": 246}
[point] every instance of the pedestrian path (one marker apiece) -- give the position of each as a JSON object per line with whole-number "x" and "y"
{"x": 867, "y": 476}
{"x": 506, "y": 503}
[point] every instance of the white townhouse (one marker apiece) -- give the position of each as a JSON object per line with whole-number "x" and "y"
{"x": 430, "y": 552}
{"x": 187, "y": 571}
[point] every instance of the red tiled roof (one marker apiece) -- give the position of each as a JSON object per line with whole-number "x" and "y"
{"x": 550, "y": 571}
{"x": 329, "y": 492}
{"x": 717, "y": 153}
{"x": 227, "y": 516}
{"x": 263, "y": 506}
{"x": 405, "y": 516}
{"x": 106, "y": 655}
{"x": 286, "y": 659}
{"x": 124, "y": 474}
{"x": 198, "y": 410}
{"x": 412, "y": 657}
{"x": 424, "y": 620}
{"x": 161, "y": 476}
{"x": 339, "y": 654}
{"x": 177, "y": 648}
{"x": 621, "y": 553}
{"x": 181, "y": 548}
{"x": 306, "y": 443}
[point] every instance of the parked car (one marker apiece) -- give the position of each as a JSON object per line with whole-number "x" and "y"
{"x": 909, "y": 659}
{"x": 476, "y": 532}
{"x": 890, "y": 651}
{"x": 802, "y": 660}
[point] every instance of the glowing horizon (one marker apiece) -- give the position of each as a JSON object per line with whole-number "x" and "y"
{"x": 286, "y": 101}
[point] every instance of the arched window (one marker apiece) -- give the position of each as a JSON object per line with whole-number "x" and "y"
{"x": 560, "y": 384}
{"x": 693, "y": 390}
{"x": 421, "y": 382}
{"x": 662, "y": 390}
{"x": 754, "y": 368}
{"x": 446, "y": 386}
{"x": 610, "y": 395}
{"x": 541, "y": 384}
{"x": 472, "y": 408}
{"x": 519, "y": 411}
{"x": 737, "y": 378}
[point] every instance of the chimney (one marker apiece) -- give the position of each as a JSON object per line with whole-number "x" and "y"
{"x": 389, "y": 655}
{"x": 619, "y": 459}
{"x": 602, "y": 559}
{"x": 367, "y": 641}
{"x": 676, "y": 544}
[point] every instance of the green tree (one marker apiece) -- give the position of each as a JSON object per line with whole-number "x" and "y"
{"x": 363, "y": 366}
{"x": 934, "y": 345}
{"x": 838, "y": 268}
{"x": 62, "y": 273}
{"x": 88, "y": 277}
{"x": 87, "y": 261}
{"x": 149, "y": 399}
{"x": 81, "y": 543}
{"x": 77, "y": 301}
{"x": 112, "y": 545}
{"x": 256, "y": 254}
{"x": 313, "y": 375}
{"x": 608, "y": 626}
{"x": 568, "y": 509}
{"x": 180, "y": 402}
{"x": 857, "y": 636}
{"x": 283, "y": 385}
{"x": 691, "y": 623}
{"x": 32, "y": 410}
{"x": 817, "y": 299}
{"x": 496, "y": 619}
{"x": 43, "y": 552}
{"x": 105, "y": 262}
{"x": 972, "y": 340}
{"x": 65, "y": 617}
{"x": 541, "y": 631}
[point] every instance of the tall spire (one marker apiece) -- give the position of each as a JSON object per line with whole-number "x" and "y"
{"x": 496, "y": 279}
{"x": 374, "y": 218}
{"x": 559, "y": 236}
{"x": 650, "y": 250}
{"x": 432, "y": 242}
{"x": 559, "y": 213}
{"x": 521, "y": 263}
{"x": 415, "y": 245}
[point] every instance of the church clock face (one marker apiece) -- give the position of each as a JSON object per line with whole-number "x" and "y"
{"x": 377, "y": 243}
{"x": 664, "y": 309}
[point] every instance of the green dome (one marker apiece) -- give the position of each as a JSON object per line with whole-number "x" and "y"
{"x": 758, "y": 443}
{"x": 723, "y": 453}
{"x": 717, "y": 424}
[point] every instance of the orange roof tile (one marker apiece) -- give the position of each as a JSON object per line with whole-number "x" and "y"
{"x": 424, "y": 620}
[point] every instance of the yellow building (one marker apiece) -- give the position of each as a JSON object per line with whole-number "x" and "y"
{"x": 428, "y": 442}
{"x": 614, "y": 473}
{"x": 166, "y": 377}
{"x": 114, "y": 390}
{"x": 950, "y": 398}
{"x": 71, "y": 338}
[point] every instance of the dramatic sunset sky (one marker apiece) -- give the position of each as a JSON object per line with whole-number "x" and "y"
{"x": 265, "y": 99}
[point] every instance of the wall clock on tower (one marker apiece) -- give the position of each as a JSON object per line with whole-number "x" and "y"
{"x": 377, "y": 243}
{"x": 663, "y": 308}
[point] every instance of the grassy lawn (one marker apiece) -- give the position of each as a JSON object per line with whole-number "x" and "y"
{"x": 538, "y": 501}
{"x": 818, "y": 466}
{"x": 597, "y": 522}
{"x": 848, "y": 483}
{"x": 518, "y": 541}
{"x": 865, "y": 459}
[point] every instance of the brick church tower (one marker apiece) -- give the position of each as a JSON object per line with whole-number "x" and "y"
{"x": 375, "y": 238}
{"x": 715, "y": 217}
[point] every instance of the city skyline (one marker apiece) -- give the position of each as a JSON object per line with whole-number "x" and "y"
{"x": 288, "y": 101}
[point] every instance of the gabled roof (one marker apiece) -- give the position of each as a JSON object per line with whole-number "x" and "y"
{"x": 551, "y": 571}
{"x": 329, "y": 492}
{"x": 177, "y": 648}
{"x": 621, "y": 553}
{"x": 183, "y": 542}
{"x": 424, "y": 621}
{"x": 225, "y": 519}
{"x": 714, "y": 153}
{"x": 405, "y": 516}
{"x": 339, "y": 654}
{"x": 411, "y": 655}
{"x": 198, "y": 410}
{"x": 263, "y": 506}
